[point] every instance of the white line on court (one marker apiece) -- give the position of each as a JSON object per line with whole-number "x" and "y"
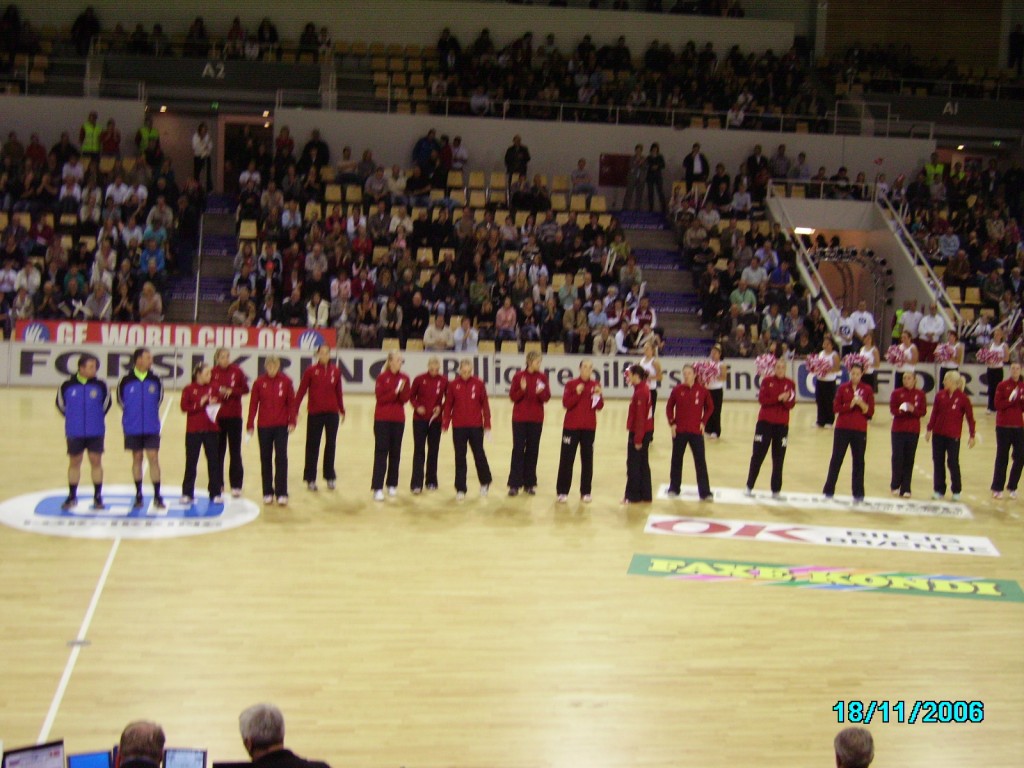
{"x": 83, "y": 630}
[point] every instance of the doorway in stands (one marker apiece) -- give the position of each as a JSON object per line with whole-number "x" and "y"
{"x": 245, "y": 138}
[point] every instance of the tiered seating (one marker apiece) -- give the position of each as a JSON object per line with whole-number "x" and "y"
{"x": 400, "y": 73}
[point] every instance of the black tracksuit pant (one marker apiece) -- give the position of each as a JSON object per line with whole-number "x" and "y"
{"x": 473, "y": 438}
{"x": 904, "y": 450}
{"x": 231, "y": 437}
{"x": 856, "y": 442}
{"x": 321, "y": 425}
{"x": 426, "y": 440}
{"x": 525, "y": 451}
{"x": 194, "y": 443}
{"x": 274, "y": 460}
{"x": 768, "y": 436}
{"x": 695, "y": 442}
{"x": 1008, "y": 438}
{"x": 571, "y": 440}
{"x": 638, "y": 470}
{"x": 387, "y": 453}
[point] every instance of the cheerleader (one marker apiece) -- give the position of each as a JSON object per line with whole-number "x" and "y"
{"x": 468, "y": 412}
{"x": 907, "y": 406}
{"x": 393, "y": 391}
{"x": 909, "y": 355}
{"x": 825, "y": 385}
{"x": 954, "y": 363}
{"x": 688, "y": 410}
{"x": 271, "y": 405}
{"x": 529, "y": 392}
{"x": 650, "y": 363}
{"x": 777, "y": 397}
{"x": 581, "y": 399}
{"x": 201, "y": 434}
{"x": 427, "y": 398}
{"x": 1009, "y": 433}
{"x": 873, "y": 360}
{"x": 717, "y": 388}
{"x": 640, "y": 426}
{"x": 949, "y": 410}
{"x": 994, "y": 369}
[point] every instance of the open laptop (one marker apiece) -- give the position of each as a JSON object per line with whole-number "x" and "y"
{"x": 185, "y": 758}
{"x": 91, "y": 760}
{"x": 49, "y": 755}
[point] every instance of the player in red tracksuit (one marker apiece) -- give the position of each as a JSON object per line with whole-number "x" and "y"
{"x": 777, "y": 397}
{"x": 326, "y": 411}
{"x": 945, "y": 427}
{"x": 200, "y": 435}
{"x": 908, "y": 406}
{"x": 582, "y": 400}
{"x": 854, "y": 405}
{"x": 272, "y": 405}
{"x": 529, "y": 391}
{"x": 688, "y": 410}
{"x": 468, "y": 412}
{"x": 230, "y": 383}
{"x": 1009, "y": 402}
{"x": 640, "y": 425}
{"x": 393, "y": 390}
{"x": 427, "y": 398}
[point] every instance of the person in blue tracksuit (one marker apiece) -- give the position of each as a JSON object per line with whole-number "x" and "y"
{"x": 84, "y": 400}
{"x": 140, "y": 394}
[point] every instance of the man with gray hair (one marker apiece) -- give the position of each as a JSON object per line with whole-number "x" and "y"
{"x": 262, "y": 729}
{"x": 854, "y": 748}
{"x": 142, "y": 745}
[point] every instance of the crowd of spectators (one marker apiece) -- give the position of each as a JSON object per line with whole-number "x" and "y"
{"x": 403, "y": 264}
{"x": 528, "y": 78}
{"x": 93, "y": 226}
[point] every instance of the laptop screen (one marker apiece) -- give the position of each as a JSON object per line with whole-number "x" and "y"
{"x": 185, "y": 758}
{"x": 49, "y": 755}
{"x": 90, "y": 760}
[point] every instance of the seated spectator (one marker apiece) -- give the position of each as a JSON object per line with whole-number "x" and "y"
{"x": 151, "y": 305}
{"x": 262, "y": 730}
{"x": 391, "y": 319}
{"x": 466, "y": 336}
{"x": 575, "y": 328}
{"x": 141, "y": 745}
{"x": 269, "y": 315}
{"x": 506, "y": 321}
{"x": 741, "y": 204}
{"x": 293, "y": 311}
{"x": 582, "y": 180}
{"x": 317, "y": 311}
{"x": 99, "y": 305}
{"x": 854, "y": 748}
{"x": 439, "y": 336}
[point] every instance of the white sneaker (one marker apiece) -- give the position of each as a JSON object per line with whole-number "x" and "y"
{"x": 748, "y": 492}
{"x": 378, "y": 495}
{"x": 673, "y": 495}
{"x": 587, "y": 499}
{"x": 956, "y": 497}
{"x": 312, "y": 487}
{"x": 185, "y": 500}
{"x": 218, "y": 499}
{"x": 417, "y": 491}
{"x": 431, "y": 487}
{"x": 268, "y": 499}
{"x": 392, "y": 491}
{"x": 282, "y": 501}
{"x": 997, "y": 494}
{"x": 777, "y": 496}
{"x": 1013, "y": 494}
{"x": 483, "y": 490}
{"x": 460, "y": 496}
{"x": 936, "y": 495}
{"x": 331, "y": 485}
{"x": 236, "y": 493}
{"x": 895, "y": 492}
{"x": 562, "y": 498}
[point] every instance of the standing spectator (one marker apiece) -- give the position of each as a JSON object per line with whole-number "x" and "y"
{"x": 688, "y": 409}
{"x": 695, "y": 167}
{"x": 229, "y": 384}
{"x": 517, "y": 158}
{"x": 930, "y": 329}
{"x": 201, "y": 435}
{"x": 393, "y": 391}
{"x": 908, "y": 406}
{"x": 271, "y": 410}
{"x": 529, "y": 391}
{"x": 636, "y": 177}
{"x": 326, "y": 411}
{"x": 1015, "y": 59}
{"x": 945, "y": 428}
{"x": 467, "y": 411}
{"x": 854, "y": 406}
{"x": 655, "y": 170}
{"x": 640, "y": 428}
{"x": 202, "y": 152}
{"x": 863, "y": 322}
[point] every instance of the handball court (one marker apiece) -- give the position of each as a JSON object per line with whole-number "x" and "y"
{"x": 498, "y": 632}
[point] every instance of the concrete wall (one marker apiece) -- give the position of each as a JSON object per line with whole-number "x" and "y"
{"x": 555, "y": 147}
{"x": 420, "y": 21}
{"x": 49, "y": 116}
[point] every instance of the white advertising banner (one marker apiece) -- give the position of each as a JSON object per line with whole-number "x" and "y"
{"x": 35, "y": 364}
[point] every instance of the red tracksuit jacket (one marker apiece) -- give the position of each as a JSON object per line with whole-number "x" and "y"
{"x": 907, "y": 421}
{"x": 772, "y": 411}
{"x": 849, "y": 417}
{"x": 390, "y": 399}
{"x": 1010, "y": 413}
{"x": 640, "y": 419}
{"x": 234, "y": 379}
{"x": 689, "y": 408}
{"x": 529, "y": 402}
{"x": 427, "y": 393}
{"x": 948, "y": 413}
{"x": 193, "y": 405}
{"x": 466, "y": 405}
{"x": 581, "y": 410}
{"x": 324, "y": 385}
{"x": 274, "y": 398}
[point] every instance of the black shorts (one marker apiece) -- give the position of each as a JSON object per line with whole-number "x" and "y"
{"x": 142, "y": 442}
{"x": 79, "y": 445}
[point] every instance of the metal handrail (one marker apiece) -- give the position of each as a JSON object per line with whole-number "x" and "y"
{"x": 807, "y": 269}
{"x": 949, "y": 88}
{"x": 929, "y": 279}
{"x": 199, "y": 269}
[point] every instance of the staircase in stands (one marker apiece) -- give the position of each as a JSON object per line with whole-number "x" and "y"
{"x": 219, "y": 246}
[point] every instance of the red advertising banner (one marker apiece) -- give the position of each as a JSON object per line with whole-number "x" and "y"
{"x": 172, "y": 335}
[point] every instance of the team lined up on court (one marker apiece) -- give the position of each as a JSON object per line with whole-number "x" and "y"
{"x": 212, "y": 403}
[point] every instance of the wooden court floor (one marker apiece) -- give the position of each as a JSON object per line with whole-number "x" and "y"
{"x": 503, "y": 632}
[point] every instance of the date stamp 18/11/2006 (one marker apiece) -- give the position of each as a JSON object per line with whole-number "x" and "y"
{"x": 909, "y": 712}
